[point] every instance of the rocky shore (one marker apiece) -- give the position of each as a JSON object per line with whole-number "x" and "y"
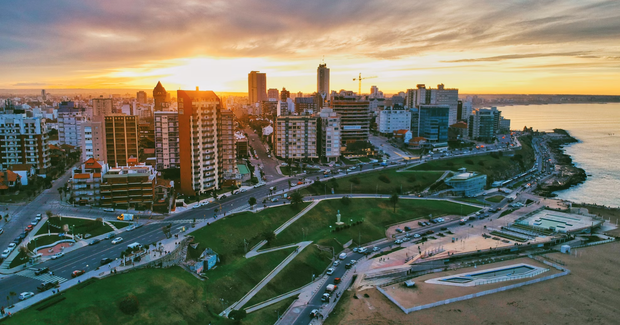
{"x": 569, "y": 175}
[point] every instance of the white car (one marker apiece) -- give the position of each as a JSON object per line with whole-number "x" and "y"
{"x": 108, "y": 210}
{"x": 39, "y": 217}
{"x": 342, "y": 256}
{"x": 336, "y": 263}
{"x": 34, "y": 222}
{"x": 376, "y": 249}
{"x": 416, "y": 235}
{"x": 5, "y": 253}
{"x": 353, "y": 262}
{"x": 58, "y": 255}
{"x": 12, "y": 246}
{"x": 398, "y": 241}
{"x": 330, "y": 271}
{"x": 362, "y": 250}
{"x": 26, "y": 295}
{"x": 117, "y": 240}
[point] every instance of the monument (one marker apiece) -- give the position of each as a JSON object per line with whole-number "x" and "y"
{"x": 338, "y": 222}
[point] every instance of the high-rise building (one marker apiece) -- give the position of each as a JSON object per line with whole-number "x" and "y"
{"x": 43, "y": 95}
{"x": 273, "y": 93}
{"x": 433, "y": 122}
{"x": 92, "y": 141}
{"x": 285, "y": 94}
{"x": 428, "y": 96}
{"x": 257, "y": 87}
{"x": 484, "y": 124}
{"x": 295, "y": 137}
{"x": 85, "y": 182}
{"x": 393, "y": 118}
{"x": 227, "y": 156}
{"x": 23, "y": 140}
{"x": 305, "y": 105}
{"x": 330, "y": 134}
{"x": 121, "y": 139}
{"x": 102, "y": 106}
{"x": 198, "y": 140}
{"x": 69, "y": 124}
{"x": 355, "y": 117}
{"x": 141, "y": 97}
{"x": 160, "y": 97}
{"x": 167, "y": 140}
{"x": 322, "y": 82}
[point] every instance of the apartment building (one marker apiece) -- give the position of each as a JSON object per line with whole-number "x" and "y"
{"x": 393, "y": 118}
{"x": 121, "y": 139}
{"x": 92, "y": 141}
{"x": 330, "y": 134}
{"x": 355, "y": 117}
{"x": 198, "y": 140}
{"x": 102, "y": 106}
{"x": 296, "y": 137}
{"x": 439, "y": 96}
{"x": 23, "y": 140}
{"x": 227, "y": 156}
{"x": 128, "y": 187}
{"x": 167, "y": 140}
{"x": 85, "y": 182}
{"x": 484, "y": 124}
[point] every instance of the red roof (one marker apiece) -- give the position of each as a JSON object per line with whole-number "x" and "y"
{"x": 401, "y": 132}
{"x": 81, "y": 176}
{"x": 418, "y": 139}
{"x": 92, "y": 163}
{"x": 53, "y": 147}
{"x": 9, "y": 175}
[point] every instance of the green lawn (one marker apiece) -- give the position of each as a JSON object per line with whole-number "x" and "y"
{"x": 495, "y": 199}
{"x": 82, "y": 226}
{"x": 494, "y": 166}
{"x": 268, "y": 315}
{"x": 286, "y": 170}
{"x": 385, "y": 181}
{"x": 295, "y": 275}
{"x": 44, "y": 240}
{"x": 376, "y": 213}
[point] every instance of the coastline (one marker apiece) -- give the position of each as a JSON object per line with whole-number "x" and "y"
{"x": 570, "y": 175}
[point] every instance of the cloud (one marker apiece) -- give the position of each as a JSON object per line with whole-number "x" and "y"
{"x": 29, "y": 84}
{"x": 523, "y": 56}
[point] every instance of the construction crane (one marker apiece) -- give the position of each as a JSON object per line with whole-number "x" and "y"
{"x": 360, "y": 80}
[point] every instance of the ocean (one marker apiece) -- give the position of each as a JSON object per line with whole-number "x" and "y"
{"x": 597, "y": 127}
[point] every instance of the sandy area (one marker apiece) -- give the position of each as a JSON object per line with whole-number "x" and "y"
{"x": 425, "y": 293}
{"x": 587, "y": 296}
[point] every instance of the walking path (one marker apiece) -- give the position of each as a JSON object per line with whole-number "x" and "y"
{"x": 239, "y": 304}
{"x": 437, "y": 181}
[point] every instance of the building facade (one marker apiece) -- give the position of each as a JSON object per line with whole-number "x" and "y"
{"x": 273, "y": 93}
{"x": 160, "y": 98}
{"x": 102, "y": 106}
{"x": 227, "y": 156}
{"x": 330, "y": 134}
{"x": 467, "y": 184}
{"x": 295, "y": 137}
{"x": 433, "y": 123}
{"x": 141, "y": 97}
{"x": 393, "y": 118}
{"x": 355, "y": 118}
{"x": 439, "y": 96}
{"x": 484, "y": 124}
{"x": 128, "y": 187}
{"x": 24, "y": 140}
{"x": 257, "y": 87}
{"x": 92, "y": 141}
{"x": 85, "y": 182}
{"x": 322, "y": 82}
{"x": 121, "y": 139}
{"x": 167, "y": 150}
{"x": 198, "y": 142}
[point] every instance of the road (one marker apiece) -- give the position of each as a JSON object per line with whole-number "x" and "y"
{"x": 268, "y": 164}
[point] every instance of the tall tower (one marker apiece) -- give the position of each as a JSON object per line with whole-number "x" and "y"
{"x": 322, "y": 81}
{"x": 257, "y": 87}
{"x": 159, "y": 95}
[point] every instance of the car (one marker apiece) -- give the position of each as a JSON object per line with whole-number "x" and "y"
{"x": 38, "y": 217}
{"x": 25, "y": 295}
{"x": 347, "y": 266}
{"x": 94, "y": 242}
{"x": 130, "y": 228}
{"x": 398, "y": 241}
{"x": 197, "y": 206}
{"x": 106, "y": 260}
{"x": 58, "y": 255}
{"x": 444, "y": 228}
{"x": 342, "y": 256}
{"x": 336, "y": 280}
{"x": 330, "y": 271}
{"x": 41, "y": 270}
{"x": 362, "y": 250}
{"x": 356, "y": 249}
{"x": 12, "y": 246}
{"x": 47, "y": 285}
{"x": 353, "y": 262}
{"x": 325, "y": 297}
{"x": 376, "y": 249}
{"x": 109, "y": 236}
{"x": 275, "y": 199}
{"x": 108, "y": 210}
{"x": 29, "y": 228}
{"x": 426, "y": 223}
{"x": 407, "y": 228}
{"x": 22, "y": 236}
{"x": 416, "y": 235}
{"x": 398, "y": 230}
{"x": 77, "y": 273}
{"x": 5, "y": 253}
{"x": 406, "y": 238}
{"x": 117, "y": 240}
{"x": 314, "y": 313}
{"x": 428, "y": 232}
{"x": 34, "y": 222}
{"x": 16, "y": 241}
{"x": 223, "y": 197}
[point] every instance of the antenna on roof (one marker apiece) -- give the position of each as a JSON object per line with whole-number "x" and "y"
{"x": 323, "y": 60}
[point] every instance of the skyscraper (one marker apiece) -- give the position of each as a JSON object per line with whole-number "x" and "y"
{"x": 141, "y": 97}
{"x": 121, "y": 139}
{"x": 166, "y": 140}
{"x": 433, "y": 122}
{"x": 322, "y": 81}
{"x": 355, "y": 117}
{"x": 257, "y": 87}
{"x": 159, "y": 95}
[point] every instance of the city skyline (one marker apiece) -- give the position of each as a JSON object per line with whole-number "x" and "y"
{"x": 478, "y": 46}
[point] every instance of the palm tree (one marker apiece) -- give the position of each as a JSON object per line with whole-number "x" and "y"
{"x": 394, "y": 199}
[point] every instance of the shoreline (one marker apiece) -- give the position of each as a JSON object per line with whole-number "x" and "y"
{"x": 570, "y": 175}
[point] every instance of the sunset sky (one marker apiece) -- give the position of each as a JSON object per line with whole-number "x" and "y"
{"x": 478, "y": 46}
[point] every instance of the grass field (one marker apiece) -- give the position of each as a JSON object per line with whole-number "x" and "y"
{"x": 385, "y": 181}
{"x": 286, "y": 170}
{"x": 296, "y": 274}
{"x": 495, "y": 167}
{"x": 377, "y": 214}
{"x": 495, "y": 199}
{"x": 82, "y": 226}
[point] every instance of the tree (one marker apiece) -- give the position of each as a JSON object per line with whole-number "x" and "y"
{"x": 252, "y": 202}
{"x": 296, "y": 198}
{"x": 237, "y": 314}
{"x": 394, "y": 199}
{"x": 345, "y": 200}
{"x": 269, "y": 235}
{"x": 49, "y": 213}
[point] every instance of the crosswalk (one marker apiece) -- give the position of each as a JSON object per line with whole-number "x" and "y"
{"x": 43, "y": 277}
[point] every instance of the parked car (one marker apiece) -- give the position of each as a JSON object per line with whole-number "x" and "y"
{"x": 77, "y": 273}
{"x": 58, "y": 255}
{"x": 347, "y": 266}
{"x": 5, "y": 253}
{"x": 47, "y": 285}
{"x": 38, "y": 217}
{"x": 117, "y": 240}
{"x": 444, "y": 228}
{"x": 12, "y": 246}
{"x": 356, "y": 249}
{"x": 109, "y": 236}
{"x": 353, "y": 262}
{"x": 108, "y": 210}
{"x": 106, "y": 260}
{"x": 407, "y": 228}
{"x": 428, "y": 232}
{"x": 362, "y": 250}
{"x": 398, "y": 230}
{"x": 336, "y": 263}
{"x": 376, "y": 249}
{"x": 416, "y": 235}
{"x": 41, "y": 270}
{"x": 337, "y": 280}
{"x": 398, "y": 241}
{"x": 342, "y": 256}
{"x": 314, "y": 313}
{"x": 25, "y": 295}
{"x": 94, "y": 242}
{"x": 28, "y": 228}
{"x": 330, "y": 271}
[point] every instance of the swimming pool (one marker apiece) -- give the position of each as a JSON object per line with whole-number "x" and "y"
{"x": 491, "y": 275}
{"x": 495, "y": 273}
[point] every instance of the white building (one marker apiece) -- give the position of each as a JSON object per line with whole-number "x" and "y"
{"x": 428, "y": 96}
{"x": 392, "y": 119}
{"x": 92, "y": 140}
{"x": 330, "y": 133}
{"x": 23, "y": 140}
{"x": 167, "y": 140}
{"x": 70, "y": 129}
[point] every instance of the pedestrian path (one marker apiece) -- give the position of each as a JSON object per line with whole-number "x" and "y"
{"x": 46, "y": 277}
